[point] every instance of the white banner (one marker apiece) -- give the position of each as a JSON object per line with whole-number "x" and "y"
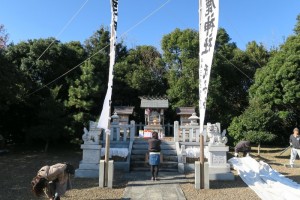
{"x": 105, "y": 113}
{"x": 209, "y": 19}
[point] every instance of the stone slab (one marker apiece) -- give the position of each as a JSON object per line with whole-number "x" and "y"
{"x": 219, "y": 169}
{"x": 91, "y": 166}
{"x": 167, "y": 187}
{"x": 218, "y": 148}
{"x": 222, "y": 176}
{"x": 91, "y": 146}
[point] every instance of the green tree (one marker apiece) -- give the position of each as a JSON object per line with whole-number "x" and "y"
{"x": 97, "y": 46}
{"x": 255, "y": 125}
{"x": 82, "y": 94}
{"x": 3, "y": 37}
{"x": 276, "y": 87}
{"x": 34, "y": 73}
{"x": 180, "y": 53}
{"x": 231, "y": 77}
{"x": 258, "y": 137}
{"x": 297, "y": 26}
{"x": 51, "y": 120}
{"x": 141, "y": 72}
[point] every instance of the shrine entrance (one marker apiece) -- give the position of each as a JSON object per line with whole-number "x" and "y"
{"x": 154, "y": 115}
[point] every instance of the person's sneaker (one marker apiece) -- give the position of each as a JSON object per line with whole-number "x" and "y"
{"x": 153, "y": 179}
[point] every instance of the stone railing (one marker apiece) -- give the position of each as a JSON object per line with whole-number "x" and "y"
{"x": 122, "y": 132}
{"x": 188, "y": 133}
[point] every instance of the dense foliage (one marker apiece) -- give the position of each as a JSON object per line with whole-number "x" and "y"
{"x": 47, "y": 95}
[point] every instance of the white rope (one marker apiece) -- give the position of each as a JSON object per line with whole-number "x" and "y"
{"x": 64, "y": 28}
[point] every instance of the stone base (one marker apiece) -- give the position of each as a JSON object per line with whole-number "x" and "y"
{"x": 86, "y": 173}
{"x": 221, "y": 173}
{"x": 215, "y": 173}
{"x": 222, "y": 176}
{"x": 89, "y": 166}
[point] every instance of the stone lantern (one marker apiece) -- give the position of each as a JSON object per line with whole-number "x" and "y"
{"x": 115, "y": 119}
{"x": 194, "y": 119}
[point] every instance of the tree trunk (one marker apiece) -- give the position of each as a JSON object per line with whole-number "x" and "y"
{"x": 258, "y": 149}
{"x": 46, "y": 146}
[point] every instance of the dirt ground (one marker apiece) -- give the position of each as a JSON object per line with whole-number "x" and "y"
{"x": 18, "y": 168}
{"x": 237, "y": 189}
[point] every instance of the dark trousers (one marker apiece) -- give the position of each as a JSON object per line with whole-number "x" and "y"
{"x": 154, "y": 170}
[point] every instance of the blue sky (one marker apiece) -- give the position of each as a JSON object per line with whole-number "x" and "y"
{"x": 265, "y": 21}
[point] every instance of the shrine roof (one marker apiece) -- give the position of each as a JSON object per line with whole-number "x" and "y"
{"x": 185, "y": 110}
{"x": 154, "y": 102}
{"x": 128, "y": 110}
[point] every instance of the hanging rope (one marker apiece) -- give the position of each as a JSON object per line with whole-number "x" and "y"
{"x": 122, "y": 35}
{"x": 63, "y": 29}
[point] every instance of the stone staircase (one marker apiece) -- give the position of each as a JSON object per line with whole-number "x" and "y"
{"x": 139, "y": 150}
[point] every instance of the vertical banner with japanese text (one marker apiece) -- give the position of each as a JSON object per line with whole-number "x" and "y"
{"x": 209, "y": 19}
{"x": 105, "y": 113}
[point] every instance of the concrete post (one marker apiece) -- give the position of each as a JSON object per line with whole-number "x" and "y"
{"x": 110, "y": 174}
{"x": 101, "y": 173}
{"x": 197, "y": 175}
{"x": 176, "y": 131}
{"x": 206, "y": 175}
{"x": 132, "y": 130}
{"x": 191, "y": 134}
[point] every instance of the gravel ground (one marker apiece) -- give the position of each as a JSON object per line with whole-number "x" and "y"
{"x": 237, "y": 189}
{"x": 18, "y": 169}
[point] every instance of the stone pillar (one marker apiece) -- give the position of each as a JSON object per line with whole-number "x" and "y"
{"x": 176, "y": 131}
{"x": 132, "y": 130}
{"x": 219, "y": 169}
{"x": 110, "y": 174}
{"x": 101, "y": 173}
{"x": 198, "y": 176}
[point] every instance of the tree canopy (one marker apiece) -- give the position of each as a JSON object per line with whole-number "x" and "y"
{"x": 51, "y": 94}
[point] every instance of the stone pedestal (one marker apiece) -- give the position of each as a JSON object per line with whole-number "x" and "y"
{"x": 219, "y": 169}
{"x": 89, "y": 166}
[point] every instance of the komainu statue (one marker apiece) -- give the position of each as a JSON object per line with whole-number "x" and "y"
{"x": 214, "y": 134}
{"x": 93, "y": 135}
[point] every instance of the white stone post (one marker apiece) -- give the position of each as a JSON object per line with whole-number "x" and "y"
{"x": 132, "y": 130}
{"x": 198, "y": 175}
{"x": 110, "y": 174}
{"x": 176, "y": 131}
{"x": 183, "y": 134}
{"x": 198, "y": 135}
{"x": 101, "y": 173}
{"x": 191, "y": 134}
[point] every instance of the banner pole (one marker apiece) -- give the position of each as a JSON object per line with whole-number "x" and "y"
{"x": 201, "y": 131}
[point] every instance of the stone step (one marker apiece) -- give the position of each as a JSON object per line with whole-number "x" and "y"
{"x": 145, "y": 146}
{"x": 148, "y": 169}
{"x": 144, "y": 151}
{"x": 146, "y": 142}
{"x": 138, "y": 157}
{"x": 146, "y": 164}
